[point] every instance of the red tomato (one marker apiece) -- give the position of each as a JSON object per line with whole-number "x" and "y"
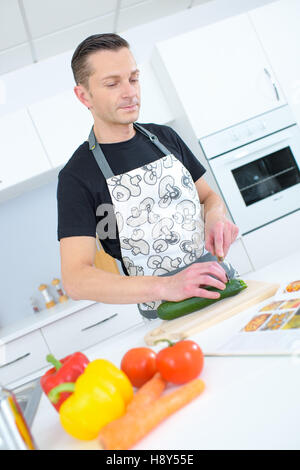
{"x": 139, "y": 364}
{"x": 180, "y": 362}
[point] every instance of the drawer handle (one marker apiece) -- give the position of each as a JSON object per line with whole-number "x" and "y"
{"x": 99, "y": 322}
{"x": 15, "y": 360}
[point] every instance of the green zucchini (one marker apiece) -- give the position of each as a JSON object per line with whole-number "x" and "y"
{"x": 169, "y": 310}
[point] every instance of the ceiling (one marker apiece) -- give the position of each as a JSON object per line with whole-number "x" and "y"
{"x": 33, "y": 30}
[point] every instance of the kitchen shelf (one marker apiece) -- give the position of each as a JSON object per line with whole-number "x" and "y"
{"x": 38, "y": 320}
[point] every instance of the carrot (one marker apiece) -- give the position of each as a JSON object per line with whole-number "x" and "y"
{"x": 126, "y": 431}
{"x": 149, "y": 392}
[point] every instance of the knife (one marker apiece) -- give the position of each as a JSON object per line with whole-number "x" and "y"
{"x": 231, "y": 272}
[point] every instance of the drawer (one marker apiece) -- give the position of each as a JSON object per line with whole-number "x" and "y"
{"x": 238, "y": 257}
{"x": 89, "y": 326}
{"x": 22, "y": 356}
{"x": 273, "y": 241}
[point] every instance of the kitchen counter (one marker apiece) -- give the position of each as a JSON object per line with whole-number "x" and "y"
{"x": 39, "y": 320}
{"x": 248, "y": 403}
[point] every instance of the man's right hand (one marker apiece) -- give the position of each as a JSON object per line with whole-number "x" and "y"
{"x": 82, "y": 280}
{"x": 193, "y": 280}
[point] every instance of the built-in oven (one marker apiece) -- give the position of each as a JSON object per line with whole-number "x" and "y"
{"x": 256, "y": 166}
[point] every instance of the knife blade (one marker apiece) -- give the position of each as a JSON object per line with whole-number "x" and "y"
{"x": 231, "y": 272}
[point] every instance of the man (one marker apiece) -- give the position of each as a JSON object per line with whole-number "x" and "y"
{"x": 154, "y": 185}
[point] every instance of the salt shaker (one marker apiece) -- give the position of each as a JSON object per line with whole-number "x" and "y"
{"x": 62, "y": 297}
{"x": 14, "y": 431}
{"x": 49, "y": 301}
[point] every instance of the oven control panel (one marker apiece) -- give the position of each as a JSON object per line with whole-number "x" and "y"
{"x": 246, "y": 132}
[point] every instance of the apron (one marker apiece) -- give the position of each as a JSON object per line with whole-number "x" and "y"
{"x": 158, "y": 214}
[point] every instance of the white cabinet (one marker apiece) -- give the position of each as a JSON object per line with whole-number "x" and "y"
{"x": 24, "y": 352}
{"x": 154, "y": 107}
{"x": 220, "y": 74}
{"x": 22, "y": 357}
{"x": 21, "y": 153}
{"x": 274, "y": 241}
{"x": 63, "y": 124}
{"x": 89, "y": 326}
{"x": 277, "y": 26}
{"x": 238, "y": 257}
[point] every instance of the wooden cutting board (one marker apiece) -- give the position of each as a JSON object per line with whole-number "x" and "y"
{"x": 188, "y": 325}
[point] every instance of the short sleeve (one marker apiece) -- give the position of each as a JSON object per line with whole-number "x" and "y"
{"x": 75, "y": 208}
{"x": 189, "y": 160}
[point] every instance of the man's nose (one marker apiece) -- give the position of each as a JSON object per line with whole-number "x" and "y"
{"x": 128, "y": 90}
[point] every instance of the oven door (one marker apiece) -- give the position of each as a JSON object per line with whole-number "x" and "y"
{"x": 260, "y": 181}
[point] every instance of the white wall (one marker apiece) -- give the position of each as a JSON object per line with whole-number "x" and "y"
{"x": 53, "y": 76}
{"x": 29, "y": 250}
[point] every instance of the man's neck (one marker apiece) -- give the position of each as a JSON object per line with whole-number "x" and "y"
{"x": 113, "y": 133}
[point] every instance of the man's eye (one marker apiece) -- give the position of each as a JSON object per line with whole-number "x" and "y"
{"x": 111, "y": 84}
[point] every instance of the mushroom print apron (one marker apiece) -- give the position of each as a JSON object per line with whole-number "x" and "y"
{"x": 158, "y": 215}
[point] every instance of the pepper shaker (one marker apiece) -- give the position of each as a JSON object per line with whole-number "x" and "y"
{"x": 34, "y": 305}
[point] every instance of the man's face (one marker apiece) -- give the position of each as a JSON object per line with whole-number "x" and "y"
{"x": 114, "y": 90}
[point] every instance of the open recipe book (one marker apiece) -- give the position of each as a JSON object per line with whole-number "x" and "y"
{"x": 273, "y": 329}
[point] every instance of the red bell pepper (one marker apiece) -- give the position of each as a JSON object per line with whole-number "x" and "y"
{"x": 65, "y": 370}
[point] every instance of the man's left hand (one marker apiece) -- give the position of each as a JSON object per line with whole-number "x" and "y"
{"x": 220, "y": 233}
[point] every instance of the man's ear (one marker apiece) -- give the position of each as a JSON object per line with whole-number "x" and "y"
{"x": 83, "y": 95}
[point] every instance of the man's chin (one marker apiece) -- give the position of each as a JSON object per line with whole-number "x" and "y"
{"x": 130, "y": 118}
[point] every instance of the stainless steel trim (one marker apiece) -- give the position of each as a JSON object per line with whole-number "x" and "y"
{"x": 33, "y": 403}
{"x": 14, "y": 429}
{"x": 99, "y": 322}
{"x": 267, "y": 179}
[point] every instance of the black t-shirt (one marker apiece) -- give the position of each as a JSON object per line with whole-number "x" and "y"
{"x": 82, "y": 186}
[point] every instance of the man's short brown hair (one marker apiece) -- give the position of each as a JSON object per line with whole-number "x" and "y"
{"x": 97, "y": 42}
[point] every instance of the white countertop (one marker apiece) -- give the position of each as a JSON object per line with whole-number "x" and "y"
{"x": 39, "y": 320}
{"x": 248, "y": 403}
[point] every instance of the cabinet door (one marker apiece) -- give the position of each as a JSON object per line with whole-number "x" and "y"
{"x": 277, "y": 26}
{"x": 63, "y": 124}
{"x": 90, "y": 326}
{"x": 220, "y": 73}
{"x": 239, "y": 258}
{"x": 154, "y": 107}
{"x": 21, "y": 153}
{"x": 273, "y": 241}
{"x": 22, "y": 357}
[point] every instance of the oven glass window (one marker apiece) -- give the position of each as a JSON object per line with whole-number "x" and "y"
{"x": 267, "y": 176}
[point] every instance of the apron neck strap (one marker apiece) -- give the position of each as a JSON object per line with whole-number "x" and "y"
{"x": 152, "y": 137}
{"x": 99, "y": 155}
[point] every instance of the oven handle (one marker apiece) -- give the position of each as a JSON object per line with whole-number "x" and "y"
{"x": 244, "y": 153}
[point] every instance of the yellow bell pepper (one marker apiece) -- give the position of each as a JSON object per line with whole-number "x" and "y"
{"x": 100, "y": 395}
